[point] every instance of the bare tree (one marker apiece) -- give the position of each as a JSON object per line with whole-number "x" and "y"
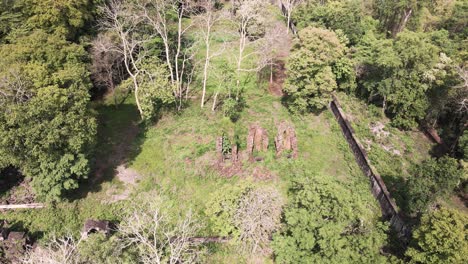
{"x": 14, "y": 87}
{"x": 106, "y": 68}
{"x": 248, "y": 15}
{"x": 208, "y": 19}
{"x": 121, "y": 19}
{"x": 157, "y": 14}
{"x": 157, "y": 238}
{"x": 289, "y": 8}
{"x": 57, "y": 251}
{"x": 462, "y": 89}
{"x": 257, "y": 217}
{"x": 274, "y": 43}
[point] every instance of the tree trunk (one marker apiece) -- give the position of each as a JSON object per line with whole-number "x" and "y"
{"x": 398, "y": 27}
{"x": 22, "y": 206}
{"x": 205, "y": 70}
{"x": 137, "y": 100}
{"x": 214, "y": 101}
{"x": 271, "y": 73}
{"x": 384, "y": 105}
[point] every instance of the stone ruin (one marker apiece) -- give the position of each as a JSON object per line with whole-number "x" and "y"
{"x": 95, "y": 226}
{"x": 13, "y": 244}
{"x": 256, "y": 140}
{"x": 230, "y": 162}
{"x": 286, "y": 140}
{"x": 221, "y": 157}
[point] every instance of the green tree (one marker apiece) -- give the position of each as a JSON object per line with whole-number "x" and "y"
{"x": 396, "y": 15}
{"x": 463, "y": 145}
{"x": 430, "y": 180}
{"x": 325, "y": 222}
{"x": 440, "y": 238}
{"x": 311, "y": 77}
{"x": 63, "y": 17}
{"x": 46, "y": 127}
{"x": 348, "y": 16}
{"x": 395, "y": 71}
{"x": 155, "y": 90}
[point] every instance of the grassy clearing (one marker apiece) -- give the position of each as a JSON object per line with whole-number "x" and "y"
{"x": 175, "y": 157}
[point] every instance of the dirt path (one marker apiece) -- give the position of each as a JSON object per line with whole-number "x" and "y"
{"x": 282, "y": 47}
{"x": 118, "y": 154}
{"x": 117, "y": 137}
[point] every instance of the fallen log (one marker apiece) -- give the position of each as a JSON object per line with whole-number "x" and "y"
{"x": 202, "y": 240}
{"x": 22, "y": 206}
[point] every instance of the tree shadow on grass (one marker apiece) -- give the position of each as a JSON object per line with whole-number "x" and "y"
{"x": 119, "y": 139}
{"x": 397, "y": 187}
{"x": 9, "y": 178}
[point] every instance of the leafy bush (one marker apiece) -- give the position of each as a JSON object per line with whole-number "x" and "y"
{"x": 232, "y": 108}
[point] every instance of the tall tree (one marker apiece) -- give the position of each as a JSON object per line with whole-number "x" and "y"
{"x": 249, "y": 18}
{"x": 395, "y": 71}
{"x": 166, "y": 17}
{"x": 63, "y": 17}
{"x": 290, "y": 6}
{"x": 395, "y": 15}
{"x": 46, "y": 128}
{"x": 208, "y": 20}
{"x": 316, "y": 56}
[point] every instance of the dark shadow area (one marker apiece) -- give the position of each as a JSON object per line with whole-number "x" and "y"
{"x": 395, "y": 246}
{"x": 119, "y": 139}
{"x": 398, "y": 189}
{"x": 9, "y": 177}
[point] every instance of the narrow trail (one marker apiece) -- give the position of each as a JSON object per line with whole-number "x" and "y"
{"x": 117, "y": 157}
{"x": 283, "y": 48}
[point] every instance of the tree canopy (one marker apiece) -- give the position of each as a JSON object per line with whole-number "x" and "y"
{"x": 440, "y": 238}
{"x": 315, "y": 65}
{"x": 46, "y": 128}
{"x": 327, "y": 223}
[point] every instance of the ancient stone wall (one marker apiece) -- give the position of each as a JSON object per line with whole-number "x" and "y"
{"x": 378, "y": 188}
{"x": 257, "y": 140}
{"x": 286, "y": 140}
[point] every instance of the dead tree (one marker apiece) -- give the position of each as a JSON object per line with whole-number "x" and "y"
{"x": 157, "y": 238}
{"x": 257, "y": 217}
{"x": 208, "y": 20}
{"x": 248, "y": 13}
{"x": 120, "y": 19}
{"x": 157, "y": 14}
{"x": 14, "y": 87}
{"x": 56, "y": 251}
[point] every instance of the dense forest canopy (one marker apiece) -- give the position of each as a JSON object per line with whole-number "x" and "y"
{"x": 87, "y": 87}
